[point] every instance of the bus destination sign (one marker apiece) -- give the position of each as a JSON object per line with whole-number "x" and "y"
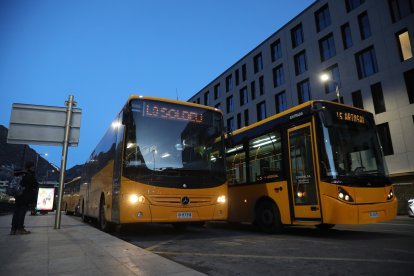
{"x": 350, "y": 117}
{"x": 170, "y": 112}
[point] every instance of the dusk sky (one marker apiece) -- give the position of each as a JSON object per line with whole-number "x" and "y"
{"x": 104, "y": 51}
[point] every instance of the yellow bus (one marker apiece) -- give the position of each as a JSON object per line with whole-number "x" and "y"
{"x": 319, "y": 163}
{"x": 159, "y": 161}
{"x": 71, "y": 196}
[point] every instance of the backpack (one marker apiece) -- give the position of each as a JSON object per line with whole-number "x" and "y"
{"x": 15, "y": 189}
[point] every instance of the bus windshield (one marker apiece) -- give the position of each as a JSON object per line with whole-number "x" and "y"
{"x": 171, "y": 145}
{"x": 351, "y": 154}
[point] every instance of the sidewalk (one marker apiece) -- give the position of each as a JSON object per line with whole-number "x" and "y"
{"x": 75, "y": 249}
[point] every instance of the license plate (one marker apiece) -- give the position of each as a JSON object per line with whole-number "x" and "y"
{"x": 184, "y": 215}
{"x": 373, "y": 214}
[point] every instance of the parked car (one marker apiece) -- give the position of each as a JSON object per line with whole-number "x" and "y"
{"x": 411, "y": 207}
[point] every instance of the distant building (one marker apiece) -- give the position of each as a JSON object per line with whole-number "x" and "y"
{"x": 365, "y": 47}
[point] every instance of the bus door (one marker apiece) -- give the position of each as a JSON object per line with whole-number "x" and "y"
{"x": 302, "y": 177}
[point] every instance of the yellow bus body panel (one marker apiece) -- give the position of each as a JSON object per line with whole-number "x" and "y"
{"x": 101, "y": 184}
{"x": 162, "y": 204}
{"x": 369, "y": 206}
{"x": 243, "y": 199}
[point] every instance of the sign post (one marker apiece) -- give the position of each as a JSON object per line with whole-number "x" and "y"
{"x": 70, "y": 103}
{"x": 47, "y": 125}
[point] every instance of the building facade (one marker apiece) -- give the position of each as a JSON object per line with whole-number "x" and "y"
{"x": 364, "y": 48}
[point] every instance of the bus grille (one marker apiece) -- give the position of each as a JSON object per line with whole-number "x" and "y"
{"x": 176, "y": 200}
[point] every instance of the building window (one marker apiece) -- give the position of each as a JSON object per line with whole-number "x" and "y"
{"x": 409, "y": 84}
{"x": 304, "y": 94}
{"x": 244, "y": 97}
{"x": 258, "y": 63}
{"x": 261, "y": 86}
{"x": 276, "y": 50}
{"x": 327, "y": 47}
{"x": 278, "y": 76}
{"x": 357, "y": 99}
{"x": 400, "y": 9}
{"x": 244, "y": 72}
{"x": 280, "y": 100}
{"x": 239, "y": 121}
{"x": 346, "y": 36}
{"x": 230, "y": 124}
{"x": 297, "y": 35}
{"x": 246, "y": 117}
{"x": 366, "y": 62}
{"x": 403, "y": 40}
{"x": 229, "y": 83}
{"x": 253, "y": 90}
{"x": 236, "y": 74}
{"x": 353, "y": 4}
{"x": 218, "y": 106}
{"x": 300, "y": 63}
{"x": 229, "y": 104}
{"x": 364, "y": 27}
{"x": 385, "y": 139}
{"x": 207, "y": 98}
{"x": 334, "y": 79}
{"x": 322, "y": 18}
{"x": 378, "y": 98}
{"x": 261, "y": 111}
{"x": 217, "y": 91}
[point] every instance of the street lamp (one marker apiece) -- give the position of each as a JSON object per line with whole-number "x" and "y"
{"x": 325, "y": 77}
{"x": 37, "y": 159}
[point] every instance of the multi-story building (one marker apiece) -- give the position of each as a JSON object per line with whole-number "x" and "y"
{"x": 365, "y": 48}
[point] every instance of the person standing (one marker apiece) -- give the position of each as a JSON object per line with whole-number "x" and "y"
{"x": 26, "y": 199}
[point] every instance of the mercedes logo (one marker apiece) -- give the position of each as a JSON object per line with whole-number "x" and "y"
{"x": 185, "y": 200}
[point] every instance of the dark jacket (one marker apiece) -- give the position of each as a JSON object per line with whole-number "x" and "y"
{"x": 29, "y": 195}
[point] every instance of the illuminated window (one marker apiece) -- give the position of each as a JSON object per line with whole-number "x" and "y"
{"x": 403, "y": 39}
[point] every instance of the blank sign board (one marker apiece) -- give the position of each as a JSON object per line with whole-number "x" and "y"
{"x": 42, "y": 125}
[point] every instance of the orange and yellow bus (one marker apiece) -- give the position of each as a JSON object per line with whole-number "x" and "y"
{"x": 71, "y": 196}
{"x": 159, "y": 161}
{"x": 319, "y": 163}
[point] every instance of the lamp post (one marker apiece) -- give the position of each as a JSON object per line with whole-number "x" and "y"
{"x": 326, "y": 78}
{"x": 37, "y": 159}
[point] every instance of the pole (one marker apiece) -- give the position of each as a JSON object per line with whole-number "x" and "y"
{"x": 337, "y": 92}
{"x": 70, "y": 103}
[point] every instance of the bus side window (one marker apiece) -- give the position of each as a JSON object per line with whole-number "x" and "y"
{"x": 236, "y": 165}
{"x": 265, "y": 158}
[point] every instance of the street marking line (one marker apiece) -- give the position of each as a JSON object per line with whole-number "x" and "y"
{"x": 285, "y": 257}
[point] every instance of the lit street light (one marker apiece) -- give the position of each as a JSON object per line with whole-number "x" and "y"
{"x": 327, "y": 78}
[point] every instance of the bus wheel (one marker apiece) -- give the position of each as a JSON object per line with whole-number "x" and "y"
{"x": 83, "y": 216}
{"x": 325, "y": 226}
{"x": 103, "y": 224}
{"x": 268, "y": 218}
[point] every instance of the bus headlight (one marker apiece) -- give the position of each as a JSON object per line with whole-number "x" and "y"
{"x": 343, "y": 195}
{"x": 134, "y": 198}
{"x": 221, "y": 199}
{"x": 390, "y": 195}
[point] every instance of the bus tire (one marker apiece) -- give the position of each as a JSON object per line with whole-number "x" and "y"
{"x": 104, "y": 225}
{"x": 83, "y": 215}
{"x": 324, "y": 226}
{"x": 268, "y": 218}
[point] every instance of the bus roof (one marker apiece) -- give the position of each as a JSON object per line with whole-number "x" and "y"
{"x": 134, "y": 97}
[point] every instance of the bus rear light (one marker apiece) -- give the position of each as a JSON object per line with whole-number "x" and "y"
{"x": 390, "y": 194}
{"x": 343, "y": 195}
{"x": 134, "y": 198}
{"x": 221, "y": 199}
